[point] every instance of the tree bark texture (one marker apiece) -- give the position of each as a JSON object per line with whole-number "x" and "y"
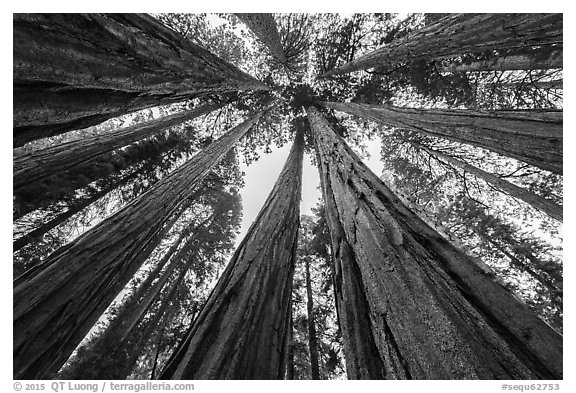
{"x": 312, "y": 340}
{"x": 242, "y": 330}
{"x": 547, "y": 206}
{"x": 458, "y": 34}
{"x": 548, "y": 59}
{"x": 411, "y": 305}
{"x": 265, "y": 28}
{"x": 532, "y": 136}
{"x": 56, "y": 308}
{"x": 72, "y": 71}
{"x": 53, "y": 161}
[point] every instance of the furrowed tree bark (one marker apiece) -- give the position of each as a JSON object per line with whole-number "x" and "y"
{"x": 242, "y": 330}
{"x": 532, "y": 136}
{"x": 459, "y": 34}
{"x": 54, "y": 310}
{"x": 72, "y": 71}
{"x": 53, "y": 161}
{"x": 411, "y": 305}
{"x": 545, "y": 60}
{"x": 312, "y": 341}
{"x": 265, "y": 28}
{"x": 542, "y": 204}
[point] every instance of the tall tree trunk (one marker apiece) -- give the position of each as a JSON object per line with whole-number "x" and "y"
{"x": 552, "y": 285}
{"x": 134, "y": 308}
{"x": 242, "y": 330}
{"x": 159, "y": 336}
{"x": 34, "y": 271}
{"x": 72, "y": 71}
{"x": 149, "y": 157}
{"x": 53, "y": 161}
{"x": 459, "y": 34}
{"x": 54, "y": 310}
{"x": 143, "y": 304}
{"x": 412, "y": 305}
{"x": 531, "y": 136}
{"x": 72, "y": 210}
{"x": 290, "y": 348}
{"x": 547, "y": 206}
{"x": 265, "y": 28}
{"x": 538, "y": 60}
{"x": 131, "y": 312}
{"x": 312, "y": 341}
{"x": 164, "y": 313}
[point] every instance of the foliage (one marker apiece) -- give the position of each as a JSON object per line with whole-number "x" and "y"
{"x": 313, "y": 244}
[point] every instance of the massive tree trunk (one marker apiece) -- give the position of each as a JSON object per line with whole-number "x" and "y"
{"x": 459, "y": 34}
{"x": 264, "y": 27}
{"x": 54, "y": 310}
{"x": 531, "y": 136}
{"x": 312, "y": 341}
{"x": 538, "y": 60}
{"x": 53, "y": 161}
{"x": 411, "y": 305}
{"x": 72, "y": 71}
{"x": 242, "y": 330}
{"x": 547, "y": 206}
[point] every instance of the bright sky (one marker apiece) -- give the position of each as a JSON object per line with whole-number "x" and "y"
{"x": 262, "y": 174}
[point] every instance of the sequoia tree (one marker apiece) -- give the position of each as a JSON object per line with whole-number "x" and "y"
{"x": 531, "y": 136}
{"x": 458, "y": 34}
{"x": 72, "y": 71}
{"x": 55, "y": 309}
{"x": 312, "y": 343}
{"x": 52, "y": 161}
{"x": 264, "y": 27}
{"x": 242, "y": 330}
{"x": 412, "y": 305}
{"x": 535, "y": 60}
{"x": 129, "y": 234}
{"x": 538, "y": 202}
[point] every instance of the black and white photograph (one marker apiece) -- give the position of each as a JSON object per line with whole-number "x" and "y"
{"x": 287, "y": 196}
